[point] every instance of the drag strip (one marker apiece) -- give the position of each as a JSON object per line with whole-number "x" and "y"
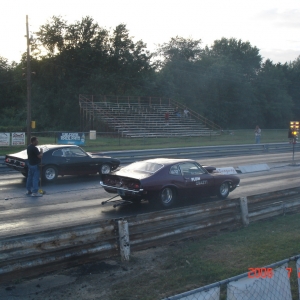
{"x": 76, "y": 200}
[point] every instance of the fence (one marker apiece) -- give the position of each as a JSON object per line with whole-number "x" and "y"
{"x": 105, "y": 239}
{"x": 271, "y": 282}
{"x": 114, "y": 140}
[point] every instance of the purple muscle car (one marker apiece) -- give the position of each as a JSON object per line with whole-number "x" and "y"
{"x": 164, "y": 181}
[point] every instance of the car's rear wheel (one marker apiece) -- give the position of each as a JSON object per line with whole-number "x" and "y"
{"x": 25, "y": 174}
{"x": 167, "y": 197}
{"x": 223, "y": 191}
{"x": 105, "y": 169}
{"x": 50, "y": 173}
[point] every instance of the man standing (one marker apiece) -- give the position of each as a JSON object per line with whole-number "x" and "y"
{"x": 34, "y": 159}
{"x": 257, "y": 132}
{"x": 167, "y": 118}
{"x": 186, "y": 113}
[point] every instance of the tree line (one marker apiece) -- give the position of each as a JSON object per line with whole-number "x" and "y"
{"x": 227, "y": 82}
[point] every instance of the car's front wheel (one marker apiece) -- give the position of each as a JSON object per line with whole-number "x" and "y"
{"x": 167, "y": 197}
{"x": 50, "y": 173}
{"x": 105, "y": 169}
{"x": 223, "y": 191}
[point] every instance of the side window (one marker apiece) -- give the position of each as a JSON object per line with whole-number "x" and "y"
{"x": 58, "y": 152}
{"x": 67, "y": 152}
{"x": 76, "y": 152}
{"x": 174, "y": 170}
{"x": 190, "y": 168}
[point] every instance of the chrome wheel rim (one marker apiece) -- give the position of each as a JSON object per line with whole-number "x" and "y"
{"x": 105, "y": 169}
{"x": 166, "y": 195}
{"x": 50, "y": 173}
{"x": 224, "y": 189}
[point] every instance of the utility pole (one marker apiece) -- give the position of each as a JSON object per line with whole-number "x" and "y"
{"x": 28, "y": 84}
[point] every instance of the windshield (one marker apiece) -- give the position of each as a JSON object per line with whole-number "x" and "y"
{"x": 143, "y": 166}
{"x": 45, "y": 148}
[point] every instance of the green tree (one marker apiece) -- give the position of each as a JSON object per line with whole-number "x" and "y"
{"x": 13, "y": 94}
{"x": 83, "y": 58}
{"x": 293, "y": 75}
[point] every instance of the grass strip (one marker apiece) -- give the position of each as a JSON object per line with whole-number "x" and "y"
{"x": 192, "y": 264}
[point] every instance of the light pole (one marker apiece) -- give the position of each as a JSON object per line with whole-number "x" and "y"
{"x": 28, "y": 78}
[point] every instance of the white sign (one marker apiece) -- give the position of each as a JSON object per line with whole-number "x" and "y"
{"x": 18, "y": 138}
{"x": 227, "y": 170}
{"x": 254, "y": 168}
{"x": 4, "y": 138}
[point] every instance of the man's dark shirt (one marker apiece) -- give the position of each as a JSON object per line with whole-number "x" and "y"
{"x": 33, "y": 152}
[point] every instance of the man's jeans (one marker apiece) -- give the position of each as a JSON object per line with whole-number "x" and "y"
{"x": 32, "y": 184}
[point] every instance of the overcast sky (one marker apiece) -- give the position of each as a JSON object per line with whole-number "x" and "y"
{"x": 271, "y": 25}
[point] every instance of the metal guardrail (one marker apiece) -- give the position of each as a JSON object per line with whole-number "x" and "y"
{"x": 129, "y": 156}
{"x": 150, "y": 229}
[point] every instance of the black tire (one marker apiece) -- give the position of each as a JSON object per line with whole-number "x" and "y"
{"x": 167, "y": 197}
{"x": 25, "y": 174}
{"x": 223, "y": 191}
{"x": 50, "y": 173}
{"x": 105, "y": 169}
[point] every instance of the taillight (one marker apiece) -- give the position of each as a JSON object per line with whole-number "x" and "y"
{"x": 136, "y": 186}
{"x": 22, "y": 164}
{"x": 7, "y": 159}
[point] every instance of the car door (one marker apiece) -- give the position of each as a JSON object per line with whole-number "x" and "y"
{"x": 198, "y": 181}
{"x": 58, "y": 159}
{"x": 76, "y": 161}
{"x": 177, "y": 179}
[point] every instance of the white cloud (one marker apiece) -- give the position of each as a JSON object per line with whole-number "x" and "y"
{"x": 281, "y": 18}
{"x": 279, "y": 55}
{"x": 266, "y": 24}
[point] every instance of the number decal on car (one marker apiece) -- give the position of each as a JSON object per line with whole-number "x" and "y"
{"x": 201, "y": 182}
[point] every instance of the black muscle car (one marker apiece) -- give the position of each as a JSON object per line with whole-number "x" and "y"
{"x": 164, "y": 181}
{"x": 64, "y": 160}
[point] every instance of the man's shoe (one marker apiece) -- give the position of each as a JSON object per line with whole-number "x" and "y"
{"x": 36, "y": 195}
{"x": 28, "y": 193}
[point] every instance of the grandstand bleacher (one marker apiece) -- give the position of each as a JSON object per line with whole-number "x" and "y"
{"x": 136, "y": 119}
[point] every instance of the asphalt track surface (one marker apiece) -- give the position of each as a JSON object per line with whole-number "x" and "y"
{"x": 74, "y": 200}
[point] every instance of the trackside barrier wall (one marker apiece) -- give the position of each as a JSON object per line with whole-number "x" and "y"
{"x": 273, "y": 283}
{"x": 129, "y": 156}
{"x": 107, "y": 238}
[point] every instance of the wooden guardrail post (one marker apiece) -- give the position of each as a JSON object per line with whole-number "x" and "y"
{"x": 124, "y": 239}
{"x": 244, "y": 211}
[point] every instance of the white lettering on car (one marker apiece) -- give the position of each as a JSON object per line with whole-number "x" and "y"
{"x": 195, "y": 178}
{"x": 201, "y": 182}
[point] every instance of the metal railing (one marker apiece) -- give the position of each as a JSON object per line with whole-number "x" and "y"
{"x": 197, "y": 116}
{"x": 150, "y": 229}
{"x": 129, "y": 156}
